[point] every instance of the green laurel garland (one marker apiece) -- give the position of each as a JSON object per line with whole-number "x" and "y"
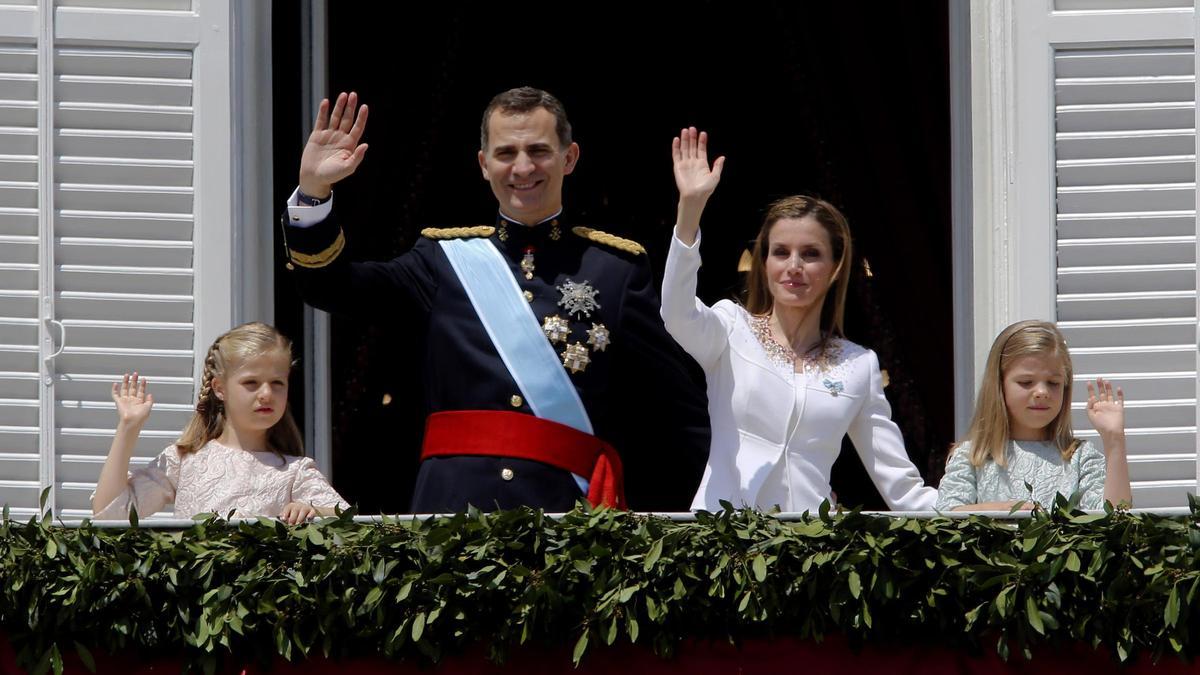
{"x": 222, "y": 593}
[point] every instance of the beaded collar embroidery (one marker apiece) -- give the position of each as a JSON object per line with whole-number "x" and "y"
{"x": 782, "y": 355}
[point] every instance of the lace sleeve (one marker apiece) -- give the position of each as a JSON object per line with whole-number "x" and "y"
{"x": 311, "y": 487}
{"x": 150, "y": 488}
{"x": 1092, "y": 472}
{"x": 959, "y": 486}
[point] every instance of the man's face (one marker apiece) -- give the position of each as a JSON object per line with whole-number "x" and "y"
{"x": 525, "y": 164}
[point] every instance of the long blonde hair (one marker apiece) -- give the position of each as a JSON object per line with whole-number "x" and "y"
{"x": 758, "y": 299}
{"x": 224, "y": 356}
{"x": 989, "y": 432}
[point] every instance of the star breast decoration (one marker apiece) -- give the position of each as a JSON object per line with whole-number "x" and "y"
{"x": 575, "y": 357}
{"x": 556, "y": 328}
{"x": 578, "y": 298}
{"x": 598, "y": 337}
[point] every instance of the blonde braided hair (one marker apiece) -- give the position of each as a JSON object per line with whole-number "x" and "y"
{"x": 226, "y": 353}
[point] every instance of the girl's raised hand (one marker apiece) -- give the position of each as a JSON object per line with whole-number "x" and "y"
{"x": 297, "y": 512}
{"x": 693, "y": 176}
{"x": 133, "y": 403}
{"x": 1106, "y": 410}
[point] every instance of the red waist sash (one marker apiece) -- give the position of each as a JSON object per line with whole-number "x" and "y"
{"x": 500, "y": 433}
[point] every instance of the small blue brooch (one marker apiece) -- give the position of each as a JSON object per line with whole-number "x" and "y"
{"x": 834, "y": 387}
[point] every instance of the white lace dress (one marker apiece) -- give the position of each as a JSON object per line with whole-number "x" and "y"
{"x": 1037, "y": 463}
{"x": 220, "y": 479}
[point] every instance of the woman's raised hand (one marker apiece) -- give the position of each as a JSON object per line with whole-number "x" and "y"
{"x": 133, "y": 403}
{"x": 694, "y": 177}
{"x": 333, "y": 151}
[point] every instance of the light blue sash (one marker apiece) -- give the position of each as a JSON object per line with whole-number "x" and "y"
{"x": 515, "y": 331}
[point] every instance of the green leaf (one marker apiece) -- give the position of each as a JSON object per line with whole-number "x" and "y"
{"x": 1035, "y": 618}
{"x": 1171, "y": 610}
{"x": 51, "y": 547}
{"x": 418, "y": 627}
{"x": 1073, "y": 562}
{"x": 56, "y": 659}
{"x": 631, "y": 626}
{"x": 1001, "y": 601}
{"x": 760, "y": 568}
{"x": 855, "y": 584}
{"x": 373, "y": 597}
{"x": 610, "y": 635}
{"x": 651, "y": 559}
{"x": 580, "y": 647}
{"x": 315, "y": 536}
{"x": 85, "y": 656}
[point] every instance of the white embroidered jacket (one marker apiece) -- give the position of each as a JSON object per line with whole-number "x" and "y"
{"x": 776, "y": 432}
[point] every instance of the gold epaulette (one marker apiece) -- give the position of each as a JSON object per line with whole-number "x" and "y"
{"x": 458, "y": 232}
{"x": 317, "y": 260}
{"x": 619, "y": 243}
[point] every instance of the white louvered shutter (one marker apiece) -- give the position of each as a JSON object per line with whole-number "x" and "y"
{"x": 125, "y": 235}
{"x": 19, "y": 264}
{"x": 1124, "y": 153}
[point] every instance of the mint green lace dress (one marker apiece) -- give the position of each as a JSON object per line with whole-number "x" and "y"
{"x": 1037, "y": 463}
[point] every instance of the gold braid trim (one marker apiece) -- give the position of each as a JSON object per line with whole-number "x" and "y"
{"x": 458, "y": 232}
{"x": 619, "y": 243}
{"x": 323, "y": 258}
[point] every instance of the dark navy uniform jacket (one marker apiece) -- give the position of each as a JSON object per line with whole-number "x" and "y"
{"x": 643, "y": 393}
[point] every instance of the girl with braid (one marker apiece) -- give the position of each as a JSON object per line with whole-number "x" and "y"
{"x": 241, "y": 451}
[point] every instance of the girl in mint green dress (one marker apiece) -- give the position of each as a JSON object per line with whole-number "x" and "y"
{"x": 1020, "y": 447}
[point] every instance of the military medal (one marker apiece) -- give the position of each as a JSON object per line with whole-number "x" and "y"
{"x": 578, "y": 298}
{"x": 555, "y": 233}
{"x": 598, "y": 337}
{"x": 556, "y": 328}
{"x": 575, "y": 357}
{"x": 527, "y": 262}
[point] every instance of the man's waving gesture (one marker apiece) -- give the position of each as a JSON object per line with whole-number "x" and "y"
{"x": 333, "y": 151}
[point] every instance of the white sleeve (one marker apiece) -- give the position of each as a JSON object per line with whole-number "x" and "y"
{"x": 881, "y": 447}
{"x": 300, "y": 215}
{"x": 695, "y": 326}
{"x": 150, "y": 487}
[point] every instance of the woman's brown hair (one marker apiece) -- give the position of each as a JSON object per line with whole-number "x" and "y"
{"x": 759, "y": 301}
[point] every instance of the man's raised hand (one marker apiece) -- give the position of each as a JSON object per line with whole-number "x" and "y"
{"x": 333, "y": 151}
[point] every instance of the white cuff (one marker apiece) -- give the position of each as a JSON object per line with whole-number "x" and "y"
{"x": 675, "y": 236}
{"x": 306, "y": 216}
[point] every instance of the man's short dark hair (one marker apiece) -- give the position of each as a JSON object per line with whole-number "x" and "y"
{"x": 524, "y": 100}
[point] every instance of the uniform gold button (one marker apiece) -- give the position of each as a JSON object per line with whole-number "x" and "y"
{"x": 516, "y": 401}
{"x": 528, "y": 296}
{"x": 507, "y": 474}
{"x": 290, "y": 266}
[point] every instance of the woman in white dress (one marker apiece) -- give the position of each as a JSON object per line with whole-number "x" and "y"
{"x": 784, "y": 385}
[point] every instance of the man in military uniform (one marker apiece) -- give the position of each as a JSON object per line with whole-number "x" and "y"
{"x": 546, "y": 358}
